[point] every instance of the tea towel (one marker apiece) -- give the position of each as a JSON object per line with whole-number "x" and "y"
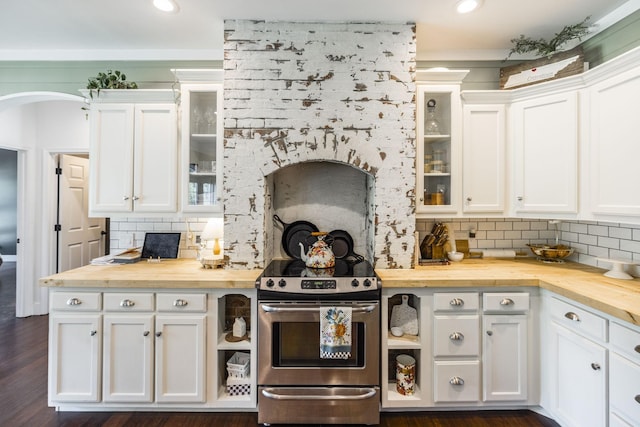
{"x": 335, "y": 332}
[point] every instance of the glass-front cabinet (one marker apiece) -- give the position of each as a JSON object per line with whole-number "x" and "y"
{"x": 438, "y": 152}
{"x": 202, "y": 140}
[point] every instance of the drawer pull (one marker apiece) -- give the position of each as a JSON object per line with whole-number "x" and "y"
{"x": 456, "y": 336}
{"x": 637, "y": 348}
{"x": 572, "y": 316}
{"x": 456, "y": 302}
{"x": 506, "y": 301}
{"x": 489, "y": 333}
{"x": 93, "y": 333}
{"x": 595, "y": 366}
{"x": 145, "y": 333}
{"x": 637, "y": 398}
{"x": 73, "y": 301}
{"x": 180, "y": 303}
{"x": 127, "y": 303}
{"x": 158, "y": 334}
{"x": 456, "y": 381}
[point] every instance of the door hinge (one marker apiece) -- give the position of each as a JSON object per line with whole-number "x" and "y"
{"x": 58, "y": 171}
{"x": 57, "y": 227}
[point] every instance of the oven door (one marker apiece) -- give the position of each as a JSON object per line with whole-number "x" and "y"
{"x": 289, "y": 345}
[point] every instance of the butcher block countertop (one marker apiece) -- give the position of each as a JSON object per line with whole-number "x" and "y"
{"x": 581, "y": 283}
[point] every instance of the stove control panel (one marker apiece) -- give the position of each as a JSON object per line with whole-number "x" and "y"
{"x": 320, "y": 286}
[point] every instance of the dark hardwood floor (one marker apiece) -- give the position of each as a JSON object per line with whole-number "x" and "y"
{"x": 23, "y": 389}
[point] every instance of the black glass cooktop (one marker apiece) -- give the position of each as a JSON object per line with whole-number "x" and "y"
{"x": 297, "y": 268}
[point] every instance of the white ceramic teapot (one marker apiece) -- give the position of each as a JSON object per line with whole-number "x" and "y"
{"x": 320, "y": 254}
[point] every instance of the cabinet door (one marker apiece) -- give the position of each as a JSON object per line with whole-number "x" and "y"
{"x": 75, "y": 358}
{"x": 545, "y": 135}
{"x": 128, "y": 358}
{"x": 614, "y": 153}
{"x": 483, "y": 153}
{"x": 580, "y": 380}
{"x": 438, "y": 130}
{"x": 201, "y": 160}
{"x": 180, "y": 358}
{"x": 156, "y": 158}
{"x": 111, "y": 159}
{"x": 505, "y": 357}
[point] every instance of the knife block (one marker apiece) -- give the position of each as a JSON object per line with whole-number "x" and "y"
{"x": 431, "y": 252}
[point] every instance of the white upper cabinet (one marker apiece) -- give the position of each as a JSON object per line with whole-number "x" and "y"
{"x": 201, "y": 132}
{"x": 439, "y": 134}
{"x": 614, "y": 150}
{"x": 483, "y": 158}
{"x": 545, "y": 145}
{"x": 133, "y": 154}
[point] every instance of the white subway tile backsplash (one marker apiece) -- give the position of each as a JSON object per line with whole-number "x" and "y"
{"x": 620, "y": 233}
{"x": 608, "y": 242}
{"x": 598, "y": 230}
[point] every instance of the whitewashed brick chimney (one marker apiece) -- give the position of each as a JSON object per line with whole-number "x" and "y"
{"x": 300, "y": 92}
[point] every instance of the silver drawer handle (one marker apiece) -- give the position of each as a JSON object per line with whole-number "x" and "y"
{"x": 637, "y": 398}
{"x": 180, "y": 303}
{"x": 506, "y": 301}
{"x": 456, "y": 381}
{"x": 572, "y": 316}
{"x": 158, "y": 334}
{"x": 365, "y": 393}
{"x": 595, "y": 366}
{"x": 456, "y": 302}
{"x": 145, "y": 333}
{"x": 456, "y": 336}
{"x": 292, "y": 308}
{"x": 637, "y": 348}
{"x": 127, "y": 303}
{"x": 93, "y": 333}
{"x": 73, "y": 301}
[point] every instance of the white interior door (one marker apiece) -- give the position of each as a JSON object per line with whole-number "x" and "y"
{"x": 80, "y": 238}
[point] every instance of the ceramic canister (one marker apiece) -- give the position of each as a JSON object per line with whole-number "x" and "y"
{"x": 405, "y": 374}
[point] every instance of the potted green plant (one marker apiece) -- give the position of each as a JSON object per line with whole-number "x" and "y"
{"x": 109, "y": 80}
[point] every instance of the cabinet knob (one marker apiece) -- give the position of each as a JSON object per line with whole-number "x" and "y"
{"x": 136, "y": 198}
{"x": 456, "y": 381}
{"x": 125, "y": 198}
{"x": 73, "y": 301}
{"x": 93, "y": 333}
{"x": 158, "y": 334}
{"x": 180, "y": 303}
{"x": 637, "y": 348}
{"x": 489, "y": 333}
{"x": 637, "y": 398}
{"x": 456, "y": 336}
{"x": 469, "y": 199}
{"x": 127, "y": 303}
{"x": 520, "y": 198}
{"x": 506, "y": 301}
{"x": 595, "y": 366}
{"x": 572, "y": 316}
{"x": 456, "y": 302}
{"x": 145, "y": 333}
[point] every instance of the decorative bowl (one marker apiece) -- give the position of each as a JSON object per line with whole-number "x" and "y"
{"x": 551, "y": 251}
{"x": 455, "y": 256}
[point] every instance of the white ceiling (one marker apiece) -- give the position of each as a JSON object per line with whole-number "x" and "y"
{"x": 133, "y": 29}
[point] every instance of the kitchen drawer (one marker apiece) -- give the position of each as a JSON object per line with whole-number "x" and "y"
{"x": 625, "y": 340}
{"x": 182, "y": 302}
{"x": 456, "y": 381}
{"x": 624, "y": 388}
{"x": 508, "y": 302}
{"x": 128, "y": 302}
{"x": 584, "y": 322}
{"x": 456, "y": 336}
{"x": 456, "y": 302}
{"x": 75, "y": 301}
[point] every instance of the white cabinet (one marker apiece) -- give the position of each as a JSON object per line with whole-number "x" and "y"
{"x": 75, "y": 344}
{"x": 612, "y": 132}
{"x": 133, "y": 156}
{"x": 201, "y": 140}
{"x": 578, "y": 373}
{"x": 483, "y": 158}
{"x": 438, "y": 135}
{"x": 545, "y": 164}
{"x": 180, "y": 358}
{"x": 624, "y": 374}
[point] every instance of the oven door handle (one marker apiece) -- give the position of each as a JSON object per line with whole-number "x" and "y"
{"x": 288, "y": 308}
{"x": 366, "y": 393}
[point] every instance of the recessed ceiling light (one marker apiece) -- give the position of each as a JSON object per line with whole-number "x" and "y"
{"x": 169, "y": 6}
{"x": 466, "y": 6}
